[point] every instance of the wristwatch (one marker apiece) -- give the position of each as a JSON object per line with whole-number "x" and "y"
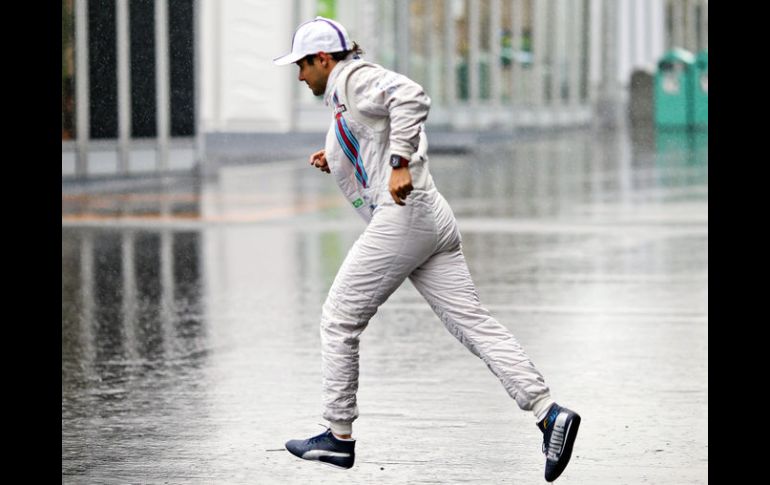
{"x": 397, "y": 161}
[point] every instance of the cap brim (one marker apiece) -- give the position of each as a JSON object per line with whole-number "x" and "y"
{"x": 289, "y": 58}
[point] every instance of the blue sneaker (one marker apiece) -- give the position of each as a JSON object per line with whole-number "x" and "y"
{"x": 325, "y": 448}
{"x": 559, "y": 428}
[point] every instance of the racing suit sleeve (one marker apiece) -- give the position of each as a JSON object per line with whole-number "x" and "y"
{"x": 382, "y": 93}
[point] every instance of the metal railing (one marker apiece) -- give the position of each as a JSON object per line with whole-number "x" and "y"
{"x": 510, "y": 63}
{"x": 485, "y": 63}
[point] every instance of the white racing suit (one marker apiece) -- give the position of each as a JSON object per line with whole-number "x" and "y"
{"x": 377, "y": 113}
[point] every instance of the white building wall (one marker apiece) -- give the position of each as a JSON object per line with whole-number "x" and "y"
{"x": 640, "y": 36}
{"x": 242, "y": 91}
{"x": 595, "y": 48}
{"x": 631, "y": 37}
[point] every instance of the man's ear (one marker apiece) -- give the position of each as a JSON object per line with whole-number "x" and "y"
{"x": 324, "y": 58}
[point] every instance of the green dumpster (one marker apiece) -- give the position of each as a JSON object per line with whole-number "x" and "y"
{"x": 701, "y": 91}
{"x": 674, "y": 81}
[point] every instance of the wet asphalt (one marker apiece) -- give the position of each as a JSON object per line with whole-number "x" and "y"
{"x": 190, "y": 308}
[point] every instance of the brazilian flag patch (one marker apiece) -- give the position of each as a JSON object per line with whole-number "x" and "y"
{"x": 358, "y": 203}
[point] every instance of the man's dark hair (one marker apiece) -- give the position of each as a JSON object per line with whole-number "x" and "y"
{"x": 337, "y": 56}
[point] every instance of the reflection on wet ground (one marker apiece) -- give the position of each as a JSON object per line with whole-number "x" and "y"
{"x": 190, "y": 347}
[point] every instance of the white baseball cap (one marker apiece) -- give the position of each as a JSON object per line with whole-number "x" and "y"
{"x": 314, "y": 36}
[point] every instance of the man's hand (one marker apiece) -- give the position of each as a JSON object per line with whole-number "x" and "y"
{"x": 400, "y": 184}
{"x": 318, "y": 159}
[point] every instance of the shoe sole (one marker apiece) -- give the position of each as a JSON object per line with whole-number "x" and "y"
{"x": 333, "y": 465}
{"x": 569, "y": 440}
{"x": 338, "y": 467}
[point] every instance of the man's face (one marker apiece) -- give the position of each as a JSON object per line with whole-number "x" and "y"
{"x": 315, "y": 75}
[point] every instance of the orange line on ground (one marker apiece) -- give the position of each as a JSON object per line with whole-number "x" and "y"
{"x": 233, "y": 216}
